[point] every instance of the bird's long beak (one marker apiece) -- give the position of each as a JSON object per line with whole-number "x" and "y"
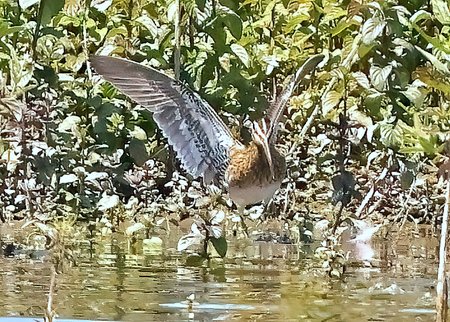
{"x": 265, "y": 145}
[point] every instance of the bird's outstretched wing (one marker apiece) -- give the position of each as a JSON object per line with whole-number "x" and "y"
{"x": 199, "y": 137}
{"x": 276, "y": 110}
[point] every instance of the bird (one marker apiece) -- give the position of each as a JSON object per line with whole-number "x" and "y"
{"x": 203, "y": 143}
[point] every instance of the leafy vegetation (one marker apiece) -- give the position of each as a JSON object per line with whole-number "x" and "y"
{"x": 375, "y": 117}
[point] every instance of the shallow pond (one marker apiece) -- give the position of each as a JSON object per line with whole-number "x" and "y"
{"x": 113, "y": 281}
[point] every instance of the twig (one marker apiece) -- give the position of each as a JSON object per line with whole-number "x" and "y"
{"x": 441, "y": 289}
{"x": 176, "y": 50}
{"x": 85, "y": 39}
{"x": 49, "y": 313}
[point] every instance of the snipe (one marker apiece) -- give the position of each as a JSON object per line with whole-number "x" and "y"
{"x": 203, "y": 143}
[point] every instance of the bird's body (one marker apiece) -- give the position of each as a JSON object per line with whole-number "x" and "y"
{"x": 203, "y": 143}
{"x": 248, "y": 174}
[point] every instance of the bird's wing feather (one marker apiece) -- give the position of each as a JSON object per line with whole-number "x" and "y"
{"x": 276, "y": 110}
{"x": 200, "y": 138}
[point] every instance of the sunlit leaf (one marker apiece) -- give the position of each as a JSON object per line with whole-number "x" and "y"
{"x": 138, "y": 133}
{"x": 371, "y": 29}
{"x": 202, "y": 202}
{"x": 217, "y": 216}
{"x": 379, "y": 76}
{"x": 390, "y": 135}
{"x": 188, "y": 240}
{"x": 362, "y": 79}
{"x": 152, "y": 246}
{"x": 441, "y": 11}
{"x": 12, "y": 106}
{"x": 149, "y": 24}
{"x": 134, "y": 228}
{"x": 224, "y": 62}
{"x": 433, "y": 80}
{"x": 24, "y": 4}
{"x": 342, "y": 26}
{"x": 68, "y": 123}
{"x": 101, "y": 5}
{"x": 330, "y": 101}
{"x": 68, "y": 178}
{"x": 108, "y": 202}
{"x": 416, "y": 92}
{"x": 96, "y": 176}
{"x": 419, "y": 16}
{"x": 241, "y": 53}
{"x": 436, "y": 63}
{"x": 195, "y": 237}
{"x": 272, "y": 62}
{"x": 428, "y": 146}
{"x": 296, "y": 21}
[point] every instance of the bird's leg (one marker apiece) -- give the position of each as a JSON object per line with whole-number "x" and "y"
{"x": 241, "y": 210}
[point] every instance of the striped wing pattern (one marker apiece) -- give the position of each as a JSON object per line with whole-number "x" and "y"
{"x": 276, "y": 110}
{"x": 199, "y": 137}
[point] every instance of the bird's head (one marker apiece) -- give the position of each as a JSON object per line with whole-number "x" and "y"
{"x": 260, "y": 135}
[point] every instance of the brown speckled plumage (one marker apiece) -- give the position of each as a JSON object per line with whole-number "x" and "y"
{"x": 249, "y": 166}
{"x": 203, "y": 143}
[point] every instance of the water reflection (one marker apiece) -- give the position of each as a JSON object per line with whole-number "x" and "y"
{"x": 119, "y": 280}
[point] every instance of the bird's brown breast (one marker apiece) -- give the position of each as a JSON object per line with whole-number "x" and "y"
{"x": 249, "y": 167}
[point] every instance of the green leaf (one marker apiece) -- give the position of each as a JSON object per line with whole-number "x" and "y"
{"x": 428, "y": 146}
{"x": 295, "y": 22}
{"x": 434, "y": 82}
{"x": 6, "y": 30}
{"x": 434, "y": 61}
{"x": 341, "y": 26}
{"x": 220, "y": 245}
{"x": 70, "y": 20}
{"x": 200, "y": 4}
{"x": 406, "y": 179}
{"x": 241, "y": 53}
{"x": 364, "y": 49}
{"x": 48, "y": 9}
{"x": 195, "y": 260}
{"x": 138, "y": 151}
{"x": 441, "y": 11}
{"x": 232, "y": 21}
{"x": 4, "y": 56}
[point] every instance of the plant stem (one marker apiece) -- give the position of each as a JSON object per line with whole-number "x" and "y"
{"x": 441, "y": 288}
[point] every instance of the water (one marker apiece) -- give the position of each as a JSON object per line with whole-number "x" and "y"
{"x": 272, "y": 282}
